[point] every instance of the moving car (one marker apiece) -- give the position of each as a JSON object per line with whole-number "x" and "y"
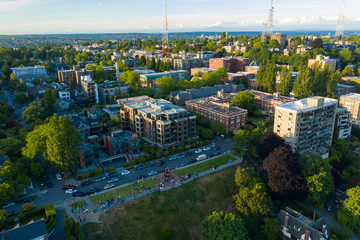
{"x": 65, "y": 187}
{"x": 113, "y": 180}
{"x": 107, "y": 186}
{"x": 100, "y": 179}
{"x": 58, "y": 176}
{"x": 198, "y": 151}
{"x": 126, "y": 172}
{"x": 152, "y": 173}
{"x": 206, "y": 148}
{"x": 71, "y": 191}
{"x": 87, "y": 182}
{"x": 78, "y": 194}
{"x": 141, "y": 166}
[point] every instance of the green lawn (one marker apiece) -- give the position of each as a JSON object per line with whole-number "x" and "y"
{"x": 255, "y": 120}
{"x": 179, "y": 209}
{"x": 122, "y": 191}
{"x": 201, "y": 167}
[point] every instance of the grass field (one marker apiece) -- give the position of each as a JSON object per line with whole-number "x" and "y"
{"x": 180, "y": 209}
{"x": 122, "y": 191}
{"x": 205, "y": 165}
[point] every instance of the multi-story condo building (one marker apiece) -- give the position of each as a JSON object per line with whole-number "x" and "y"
{"x": 342, "y": 123}
{"x": 90, "y": 90}
{"x": 36, "y": 72}
{"x": 113, "y": 110}
{"x": 158, "y": 120}
{"x": 352, "y": 103}
{"x": 232, "y": 65}
{"x": 64, "y": 94}
{"x": 75, "y": 74}
{"x": 268, "y": 101}
{"x": 218, "y": 108}
{"x": 148, "y": 80}
{"x": 187, "y": 63}
{"x": 119, "y": 142}
{"x": 280, "y": 38}
{"x": 322, "y": 60}
{"x": 307, "y": 125}
{"x": 342, "y": 89}
{"x": 108, "y": 89}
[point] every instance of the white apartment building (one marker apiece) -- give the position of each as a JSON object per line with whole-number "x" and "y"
{"x": 28, "y": 72}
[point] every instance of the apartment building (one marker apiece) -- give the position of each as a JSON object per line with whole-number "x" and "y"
{"x": 64, "y": 94}
{"x": 352, "y": 103}
{"x": 232, "y": 65}
{"x": 268, "y": 101}
{"x": 74, "y": 74}
{"x": 343, "y": 89}
{"x": 322, "y": 60}
{"x": 307, "y": 125}
{"x": 113, "y": 110}
{"x": 148, "y": 80}
{"x": 342, "y": 124}
{"x": 187, "y": 63}
{"x": 158, "y": 120}
{"x": 108, "y": 89}
{"x": 28, "y": 73}
{"x": 90, "y": 90}
{"x": 218, "y": 108}
{"x": 119, "y": 142}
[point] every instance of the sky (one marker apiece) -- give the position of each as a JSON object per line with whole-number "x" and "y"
{"x": 120, "y": 16}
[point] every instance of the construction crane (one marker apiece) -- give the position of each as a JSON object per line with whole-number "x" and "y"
{"x": 165, "y": 36}
{"x": 340, "y": 26}
{"x": 267, "y": 27}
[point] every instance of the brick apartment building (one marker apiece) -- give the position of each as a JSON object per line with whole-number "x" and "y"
{"x": 158, "y": 120}
{"x": 75, "y": 74}
{"x": 352, "y": 103}
{"x": 218, "y": 108}
{"x": 120, "y": 141}
{"x": 343, "y": 89}
{"x": 268, "y": 101}
{"x": 232, "y": 65}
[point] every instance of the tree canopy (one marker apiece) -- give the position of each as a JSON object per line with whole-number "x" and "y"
{"x": 245, "y": 100}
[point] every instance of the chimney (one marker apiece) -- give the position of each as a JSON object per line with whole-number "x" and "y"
{"x": 286, "y": 221}
{"x": 307, "y": 235}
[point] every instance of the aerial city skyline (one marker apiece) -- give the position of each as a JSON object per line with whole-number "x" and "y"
{"x": 94, "y": 16}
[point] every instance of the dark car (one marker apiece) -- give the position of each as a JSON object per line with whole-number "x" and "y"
{"x": 66, "y": 187}
{"x": 211, "y": 155}
{"x": 142, "y": 166}
{"x": 160, "y": 163}
{"x": 217, "y": 153}
{"x": 140, "y": 177}
{"x": 110, "y": 175}
{"x": 12, "y": 213}
{"x": 92, "y": 190}
{"x": 192, "y": 161}
{"x": 27, "y": 200}
{"x": 184, "y": 163}
{"x": 150, "y": 164}
{"x": 88, "y": 182}
{"x": 78, "y": 194}
{"x": 162, "y": 170}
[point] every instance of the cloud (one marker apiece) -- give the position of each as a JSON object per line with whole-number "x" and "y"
{"x": 9, "y": 5}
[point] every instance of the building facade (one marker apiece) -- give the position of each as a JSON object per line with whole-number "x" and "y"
{"x": 280, "y": 38}
{"x": 218, "y": 108}
{"x": 108, "y": 89}
{"x": 90, "y": 90}
{"x": 307, "y": 125}
{"x": 268, "y": 101}
{"x": 187, "y": 63}
{"x": 342, "y": 124}
{"x": 119, "y": 142}
{"x": 232, "y": 65}
{"x": 75, "y": 74}
{"x": 158, "y": 120}
{"x": 322, "y": 61}
{"x": 343, "y": 89}
{"x": 352, "y": 103}
{"x": 36, "y": 72}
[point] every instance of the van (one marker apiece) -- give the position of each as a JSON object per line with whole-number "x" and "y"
{"x": 201, "y": 157}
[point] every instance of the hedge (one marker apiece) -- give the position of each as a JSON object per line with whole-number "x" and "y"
{"x": 50, "y": 225}
{"x": 50, "y": 211}
{"x": 342, "y": 217}
{"x": 31, "y": 214}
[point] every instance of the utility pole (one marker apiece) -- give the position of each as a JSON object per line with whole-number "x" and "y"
{"x": 267, "y": 27}
{"x": 165, "y": 36}
{"x": 340, "y": 26}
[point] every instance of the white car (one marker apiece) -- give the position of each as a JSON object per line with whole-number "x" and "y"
{"x": 107, "y": 186}
{"x": 198, "y": 151}
{"x": 126, "y": 172}
{"x": 100, "y": 179}
{"x": 152, "y": 173}
{"x": 113, "y": 180}
{"x": 58, "y": 176}
{"x": 71, "y": 191}
{"x": 206, "y": 148}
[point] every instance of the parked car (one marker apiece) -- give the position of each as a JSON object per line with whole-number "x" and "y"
{"x": 107, "y": 186}
{"x": 113, "y": 180}
{"x": 78, "y": 194}
{"x": 65, "y": 187}
{"x": 217, "y": 153}
{"x": 58, "y": 176}
{"x": 192, "y": 161}
{"x": 71, "y": 191}
{"x": 162, "y": 170}
{"x": 328, "y": 207}
{"x": 150, "y": 164}
{"x": 141, "y": 166}
{"x": 184, "y": 163}
{"x": 110, "y": 175}
{"x": 126, "y": 172}
{"x": 198, "y": 151}
{"x": 87, "y": 182}
{"x": 100, "y": 179}
{"x": 152, "y": 173}
{"x": 160, "y": 163}
{"x": 211, "y": 155}
{"x": 92, "y": 190}
{"x": 201, "y": 157}
{"x": 27, "y": 200}
{"x": 12, "y": 213}
{"x": 206, "y": 148}
{"x": 173, "y": 157}
{"x": 181, "y": 156}
{"x": 8, "y": 205}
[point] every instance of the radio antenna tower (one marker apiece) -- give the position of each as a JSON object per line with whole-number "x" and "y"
{"x": 267, "y": 27}
{"x": 340, "y": 26}
{"x": 165, "y": 36}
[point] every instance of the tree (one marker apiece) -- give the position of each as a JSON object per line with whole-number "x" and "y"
{"x": 72, "y": 230}
{"x": 72, "y": 84}
{"x": 317, "y": 173}
{"x": 217, "y": 127}
{"x": 21, "y": 98}
{"x": 245, "y": 100}
{"x": 281, "y": 172}
{"x": 352, "y": 204}
{"x": 268, "y": 142}
{"x": 317, "y": 43}
{"x": 164, "y": 85}
{"x": 348, "y": 71}
{"x": 183, "y": 84}
{"x": 7, "y": 192}
{"x": 6, "y": 70}
{"x": 57, "y": 140}
{"x": 132, "y": 79}
{"x": 220, "y": 226}
{"x": 246, "y": 177}
{"x": 28, "y": 207}
{"x": 347, "y": 55}
{"x": 271, "y": 229}
{"x": 33, "y": 112}
{"x": 50, "y": 102}
{"x": 205, "y": 133}
{"x": 285, "y": 81}
{"x": 340, "y": 232}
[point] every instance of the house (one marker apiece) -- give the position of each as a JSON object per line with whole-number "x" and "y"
{"x": 33, "y": 230}
{"x": 36, "y": 92}
{"x": 120, "y": 141}
{"x": 95, "y": 113}
{"x": 296, "y": 226}
{"x": 113, "y": 110}
{"x": 64, "y": 104}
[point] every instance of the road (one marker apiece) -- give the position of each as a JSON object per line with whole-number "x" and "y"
{"x": 55, "y": 194}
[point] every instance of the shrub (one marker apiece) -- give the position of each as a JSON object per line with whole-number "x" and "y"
{"x": 98, "y": 171}
{"x": 27, "y": 215}
{"x": 110, "y": 169}
{"x": 340, "y": 233}
{"x": 50, "y": 211}
{"x": 166, "y": 234}
{"x": 85, "y": 175}
{"x": 28, "y": 207}
{"x": 342, "y": 217}
{"x": 50, "y": 225}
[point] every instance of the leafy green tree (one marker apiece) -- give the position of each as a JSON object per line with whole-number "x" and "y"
{"x": 220, "y": 226}
{"x": 183, "y": 84}
{"x": 285, "y": 81}
{"x": 352, "y": 204}
{"x": 11, "y": 146}
{"x": 271, "y": 229}
{"x": 164, "y": 85}
{"x": 21, "y": 98}
{"x": 340, "y": 233}
{"x": 217, "y": 127}
{"x": 132, "y": 79}
{"x": 72, "y": 84}
{"x": 247, "y": 139}
{"x": 348, "y": 71}
{"x": 245, "y": 100}
{"x": 205, "y": 133}
{"x": 347, "y": 55}
{"x": 6, "y": 70}
{"x": 317, "y": 173}
{"x": 246, "y": 177}
{"x": 7, "y": 192}
{"x": 72, "y": 230}
{"x": 28, "y": 207}
{"x": 50, "y": 102}
{"x": 57, "y": 140}
{"x": 33, "y": 112}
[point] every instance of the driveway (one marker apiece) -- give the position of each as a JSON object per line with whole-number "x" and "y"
{"x": 58, "y": 234}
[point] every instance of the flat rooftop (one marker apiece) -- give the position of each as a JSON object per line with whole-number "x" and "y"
{"x": 352, "y": 96}
{"x": 304, "y": 105}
